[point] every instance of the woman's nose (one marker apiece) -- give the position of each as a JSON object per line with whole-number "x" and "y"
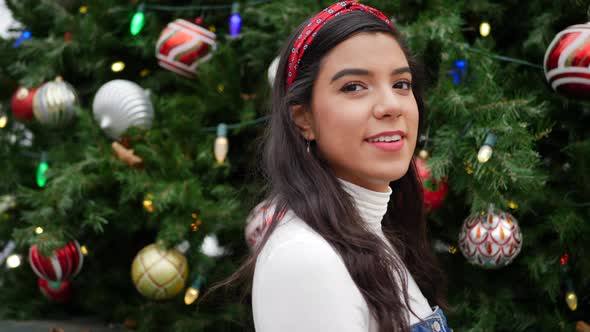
{"x": 388, "y": 104}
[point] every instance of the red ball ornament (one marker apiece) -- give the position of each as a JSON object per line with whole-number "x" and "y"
{"x": 56, "y": 291}
{"x": 65, "y": 262}
{"x": 567, "y": 62}
{"x": 22, "y": 103}
{"x": 183, "y": 45}
{"x": 434, "y": 190}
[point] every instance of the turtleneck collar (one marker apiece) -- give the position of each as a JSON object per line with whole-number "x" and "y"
{"x": 371, "y": 205}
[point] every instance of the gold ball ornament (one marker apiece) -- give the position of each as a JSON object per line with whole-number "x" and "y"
{"x": 159, "y": 273}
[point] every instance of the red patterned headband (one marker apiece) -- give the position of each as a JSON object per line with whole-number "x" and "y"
{"x": 308, "y": 34}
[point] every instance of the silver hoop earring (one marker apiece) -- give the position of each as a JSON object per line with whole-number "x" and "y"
{"x": 308, "y": 143}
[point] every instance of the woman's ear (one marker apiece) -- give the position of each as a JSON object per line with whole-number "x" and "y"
{"x": 303, "y": 119}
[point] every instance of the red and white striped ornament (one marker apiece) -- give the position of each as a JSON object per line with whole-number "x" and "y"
{"x": 567, "y": 62}
{"x": 65, "y": 263}
{"x": 490, "y": 239}
{"x": 56, "y": 291}
{"x": 183, "y": 45}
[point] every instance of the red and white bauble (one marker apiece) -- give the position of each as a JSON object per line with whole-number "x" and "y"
{"x": 65, "y": 263}
{"x": 434, "y": 190}
{"x": 183, "y": 45}
{"x": 22, "y": 103}
{"x": 567, "y": 62}
{"x": 490, "y": 239}
{"x": 56, "y": 291}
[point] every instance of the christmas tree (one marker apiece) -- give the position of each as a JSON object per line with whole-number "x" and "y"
{"x": 115, "y": 118}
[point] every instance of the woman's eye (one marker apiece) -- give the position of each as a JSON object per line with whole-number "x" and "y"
{"x": 352, "y": 87}
{"x": 405, "y": 85}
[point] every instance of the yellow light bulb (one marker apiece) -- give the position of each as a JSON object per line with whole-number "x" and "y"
{"x": 118, "y": 66}
{"x": 572, "y": 300}
{"x": 83, "y": 9}
{"x": 191, "y": 295}
{"x": 13, "y": 261}
{"x": 484, "y": 29}
{"x": 3, "y": 120}
{"x": 512, "y": 205}
{"x": 221, "y": 148}
{"x": 212, "y": 28}
{"x": 148, "y": 205}
{"x": 144, "y": 72}
{"x": 423, "y": 154}
{"x": 84, "y": 250}
{"x": 39, "y": 230}
{"x": 453, "y": 250}
{"x": 484, "y": 154}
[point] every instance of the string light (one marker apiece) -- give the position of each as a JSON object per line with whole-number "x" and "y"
{"x": 144, "y": 72}
{"x": 138, "y": 21}
{"x": 41, "y": 170}
{"x": 3, "y": 119}
{"x": 459, "y": 72}
{"x": 118, "y": 66}
{"x": 512, "y": 205}
{"x": 83, "y": 9}
{"x": 84, "y": 250}
{"x": 39, "y": 230}
{"x": 13, "y": 261}
{"x": 192, "y": 293}
{"x": 486, "y": 150}
{"x": 221, "y": 143}
{"x": 235, "y": 20}
{"x": 484, "y": 29}
{"x": 23, "y": 36}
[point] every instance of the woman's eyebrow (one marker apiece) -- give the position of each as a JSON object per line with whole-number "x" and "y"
{"x": 364, "y": 72}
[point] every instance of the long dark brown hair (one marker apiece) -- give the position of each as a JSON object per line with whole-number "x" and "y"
{"x": 304, "y": 183}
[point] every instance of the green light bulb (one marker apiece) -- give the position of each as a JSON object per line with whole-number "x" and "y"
{"x": 138, "y": 21}
{"x": 41, "y": 179}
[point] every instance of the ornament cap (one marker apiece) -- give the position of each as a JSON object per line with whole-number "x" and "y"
{"x": 490, "y": 139}
{"x": 22, "y": 93}
{"x": 183, "y": 246}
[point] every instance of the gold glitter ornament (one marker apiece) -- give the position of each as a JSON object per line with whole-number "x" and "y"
{"x": 159, "y": 273}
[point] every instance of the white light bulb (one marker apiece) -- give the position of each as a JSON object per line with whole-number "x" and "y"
{"x": 485, "y": 153}
{"x": 13, "y": 261}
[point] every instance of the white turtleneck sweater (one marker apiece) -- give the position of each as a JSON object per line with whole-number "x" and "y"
{"x": 301, "y": 282}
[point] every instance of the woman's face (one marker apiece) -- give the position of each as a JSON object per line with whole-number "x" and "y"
{"x": 364, "y": 115}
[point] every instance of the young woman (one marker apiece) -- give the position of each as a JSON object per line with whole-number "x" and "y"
{"x": 346, "y": 248}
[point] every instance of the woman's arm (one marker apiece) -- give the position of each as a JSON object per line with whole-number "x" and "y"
{"x": 303, "y": 285}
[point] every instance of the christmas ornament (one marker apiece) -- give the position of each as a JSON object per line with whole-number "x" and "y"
{"x": 22, "y": 103}
{"x": 54, "y": 103}
{"x": 567, "y": 62}
{"x": 127, "y": 155}
{"x": 159, "y": 273}
{"x": 272, "y": 71}
{"x": 211, "y": 248}
{"x": 65, "y": 263}
{"x": 183, "y": 45}
{"x": 434, "y": 190}
{"x": 490, "y": 239}
{"x": 56, "y": 291}
{"x": 121, "y": 104}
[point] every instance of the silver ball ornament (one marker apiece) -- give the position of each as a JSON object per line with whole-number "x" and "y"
{"x": 121, "y": 104}
{"x": 54, "y": 103}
